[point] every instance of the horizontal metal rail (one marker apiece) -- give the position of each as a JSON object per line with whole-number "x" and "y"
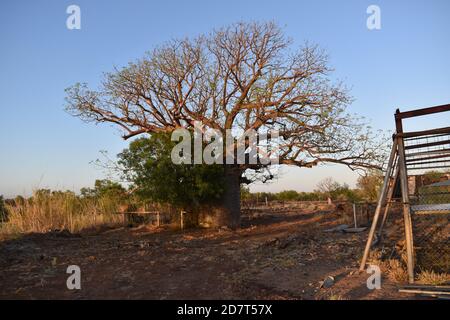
{"x": 428, "y": 162}
{"x": 430, "y": 158}
{"x": 426, "y": 145}
{"x": 440, "y": 151}
{"x": 422, "y": 112}
{"x": 429, "y": 167}
{"x": 422, "y": 134}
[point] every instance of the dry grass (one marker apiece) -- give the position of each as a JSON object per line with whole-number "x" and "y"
{"x": 60, "y": 211}
{"x": 396, "y": 270}
{"x": 336, "y": 297}
{"x": 432, "y": 278}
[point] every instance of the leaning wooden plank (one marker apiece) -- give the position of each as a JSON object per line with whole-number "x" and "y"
{"x": 430, "y": 287}
{"x": 138, "y": 212}
{"x": 416, "y": 291}
{"x": 354, "y": 230}
{"x": 422, "y": 112}
{"x": 436, "y": 296}
{"x": 380, "y": 203}
{"x": 425, "y": 132}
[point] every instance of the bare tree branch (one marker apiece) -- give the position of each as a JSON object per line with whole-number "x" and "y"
{"x": 245, "y": 76}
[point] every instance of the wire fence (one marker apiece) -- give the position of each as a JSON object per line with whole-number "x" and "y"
{"x": 431, "y": 227}
{"x": 428, "y": 152}
{"x": 430, "y": 201}
{"x": 432, "y": 242}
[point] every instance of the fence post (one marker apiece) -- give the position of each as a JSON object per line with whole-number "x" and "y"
{"x": 182, "y": 219}
{"x": 406, "y": 210}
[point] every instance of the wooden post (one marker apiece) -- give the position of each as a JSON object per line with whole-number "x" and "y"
{"x": 182, "y": 219}
{"x": 158, "y": 222}
{"x": 354, "y": 215}
{"x": 388, "y": 203}
{"x": 404, "y": 187}
{"x": 406, "y": 210}
{"x": 381, "y": 201}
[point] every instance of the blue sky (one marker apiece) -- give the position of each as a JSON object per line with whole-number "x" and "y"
{"x": 405, "y": 64}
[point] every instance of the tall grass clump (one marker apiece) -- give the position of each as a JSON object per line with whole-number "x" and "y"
{"x": 47, "y": 211}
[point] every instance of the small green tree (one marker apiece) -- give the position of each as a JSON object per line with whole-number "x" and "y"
{"x": 19, "y": 201}
{"x": 104, "y": 188}
{"x": 328, "y": 187}
{"x": 344, "y": 193}
{"x": 148, "y": 166}
{"x": 288, "y": 195}
{"x": 107, "y": 195}
{"x": 245, "y": 193}
{"x": 433, "y": 176}
{"x": 370, "y": 184}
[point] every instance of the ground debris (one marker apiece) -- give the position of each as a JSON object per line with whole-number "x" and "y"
{"x": 339, "y": 228}
{"x": 327, "y": 283}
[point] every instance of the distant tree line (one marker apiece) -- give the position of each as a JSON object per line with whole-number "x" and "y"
{"x": 367, "y": 190}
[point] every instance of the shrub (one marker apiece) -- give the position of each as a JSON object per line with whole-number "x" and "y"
{"x": 147, "y": 164}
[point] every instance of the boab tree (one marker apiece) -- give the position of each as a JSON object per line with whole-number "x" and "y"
{"x": 244, "y": 76}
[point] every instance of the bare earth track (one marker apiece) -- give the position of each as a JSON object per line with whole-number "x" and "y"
{"x": 282, "y": 256}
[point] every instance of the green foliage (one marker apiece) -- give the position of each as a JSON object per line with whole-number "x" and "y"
{"x": 336, "y": 191}
{"x": 433, "y": 176}
{"x": 327, "y": 188}
{"x": 107, "y": 195}
{"x": 104, "y": 188}
{"x": 3, "y": 213}
{"x": 245, "y": 193}
{"x": 19, "y": 200}
{"x": 434, "y": 194}
{"x": 148, "y": 165}
{"x": 40, "y": 195}
{"x": 344, "y": 193}
{"x": 370, "y": 185}
{"x": 311, "y": 196}
{"x": 288, "y": 195}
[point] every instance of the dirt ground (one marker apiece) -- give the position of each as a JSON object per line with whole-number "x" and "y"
{"x": 273, "y": 256}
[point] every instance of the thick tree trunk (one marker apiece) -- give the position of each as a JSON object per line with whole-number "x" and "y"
{"x": 228, "y": 211}
{"x": 231, "y": 202}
